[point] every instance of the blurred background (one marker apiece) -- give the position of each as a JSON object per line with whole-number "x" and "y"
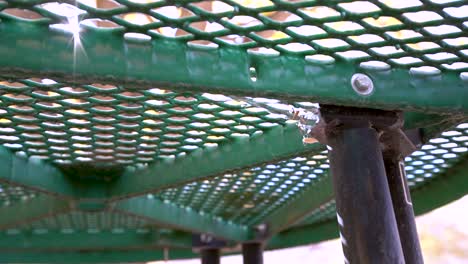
{"x": 443, "y": 234}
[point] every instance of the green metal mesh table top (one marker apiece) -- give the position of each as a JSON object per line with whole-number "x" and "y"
{"x": 415, "y": 51}
{"x": 126, "y": 127}
{"x": 111, "y": 125}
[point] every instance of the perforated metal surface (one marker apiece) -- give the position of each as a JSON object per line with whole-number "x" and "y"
{"x": 83, "y": 89}
{"x": 247, "y": 197}
{"x": 426, "y": 36}
{"x": 438, "y": 155}
{"x": 434, "y": 158}
{"x": 92, "y": 222}
{"x": 301, "y": 49}
{"x": 117, "y": 125}
{"x": 105, "y": 116}
{"x": 9, "y": 194}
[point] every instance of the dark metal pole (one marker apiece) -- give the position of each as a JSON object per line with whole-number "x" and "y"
{"x": 403, "y": 208}
{"x": 365, "y": 214}
{"x": 210, "y": 256}
{"x": 252, "y": 253}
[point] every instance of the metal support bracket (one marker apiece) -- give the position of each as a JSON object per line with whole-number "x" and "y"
{"x": 365, "y": 214}
{"x": 206, "y": 241}
{"x": 209, "y": 248}
{"x": 396, "y": 145}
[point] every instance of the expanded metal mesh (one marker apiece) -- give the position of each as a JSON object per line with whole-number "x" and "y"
{"x": 116, "y": 125}
{"x": 10, "y": 195}
{"x": 92, "y": 222}
{"x": 247, "y": 197}
{"x": 127, "y": 125}
{"x": 427, "y": 36}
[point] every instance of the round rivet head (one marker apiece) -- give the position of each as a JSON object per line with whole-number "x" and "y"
{"x": 362, "y": 84}
{"x": 261, "y": 227}
{"x": 206, "y": 238}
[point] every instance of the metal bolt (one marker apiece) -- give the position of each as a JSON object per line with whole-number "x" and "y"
{"x": 261, "y": 228}
{"x": 205, "y": 238}
{"x": 362, "y": 84}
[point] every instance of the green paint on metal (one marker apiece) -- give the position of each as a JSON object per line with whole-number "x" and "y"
{"x": 276, "y": 144}
{"x": 33, "y": 173}
{"x": 411, "y": 72}
{"x": 452, "y": 185}
{"x": 296, "y": 210}
{"x": 82, "y": 111}
{"x": 11, "y": 194}
{"x": 83, "y": 240}
{"x": 91, "y": 205}
{"x": 305, "y": 235}
{"x": 451, "y": 141}
{"x": 431, "y": 124}
{"x": 423, "y": 166}
{"x": 425, "y": 199}
{"x": 21, "y": 212}
{"x": 182, "y": 218}
{"x": 248, "y": 196}
{"x": 97, "y": 256}
{"x": 92, "y": 222}
{"x": 328, "y": 230}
